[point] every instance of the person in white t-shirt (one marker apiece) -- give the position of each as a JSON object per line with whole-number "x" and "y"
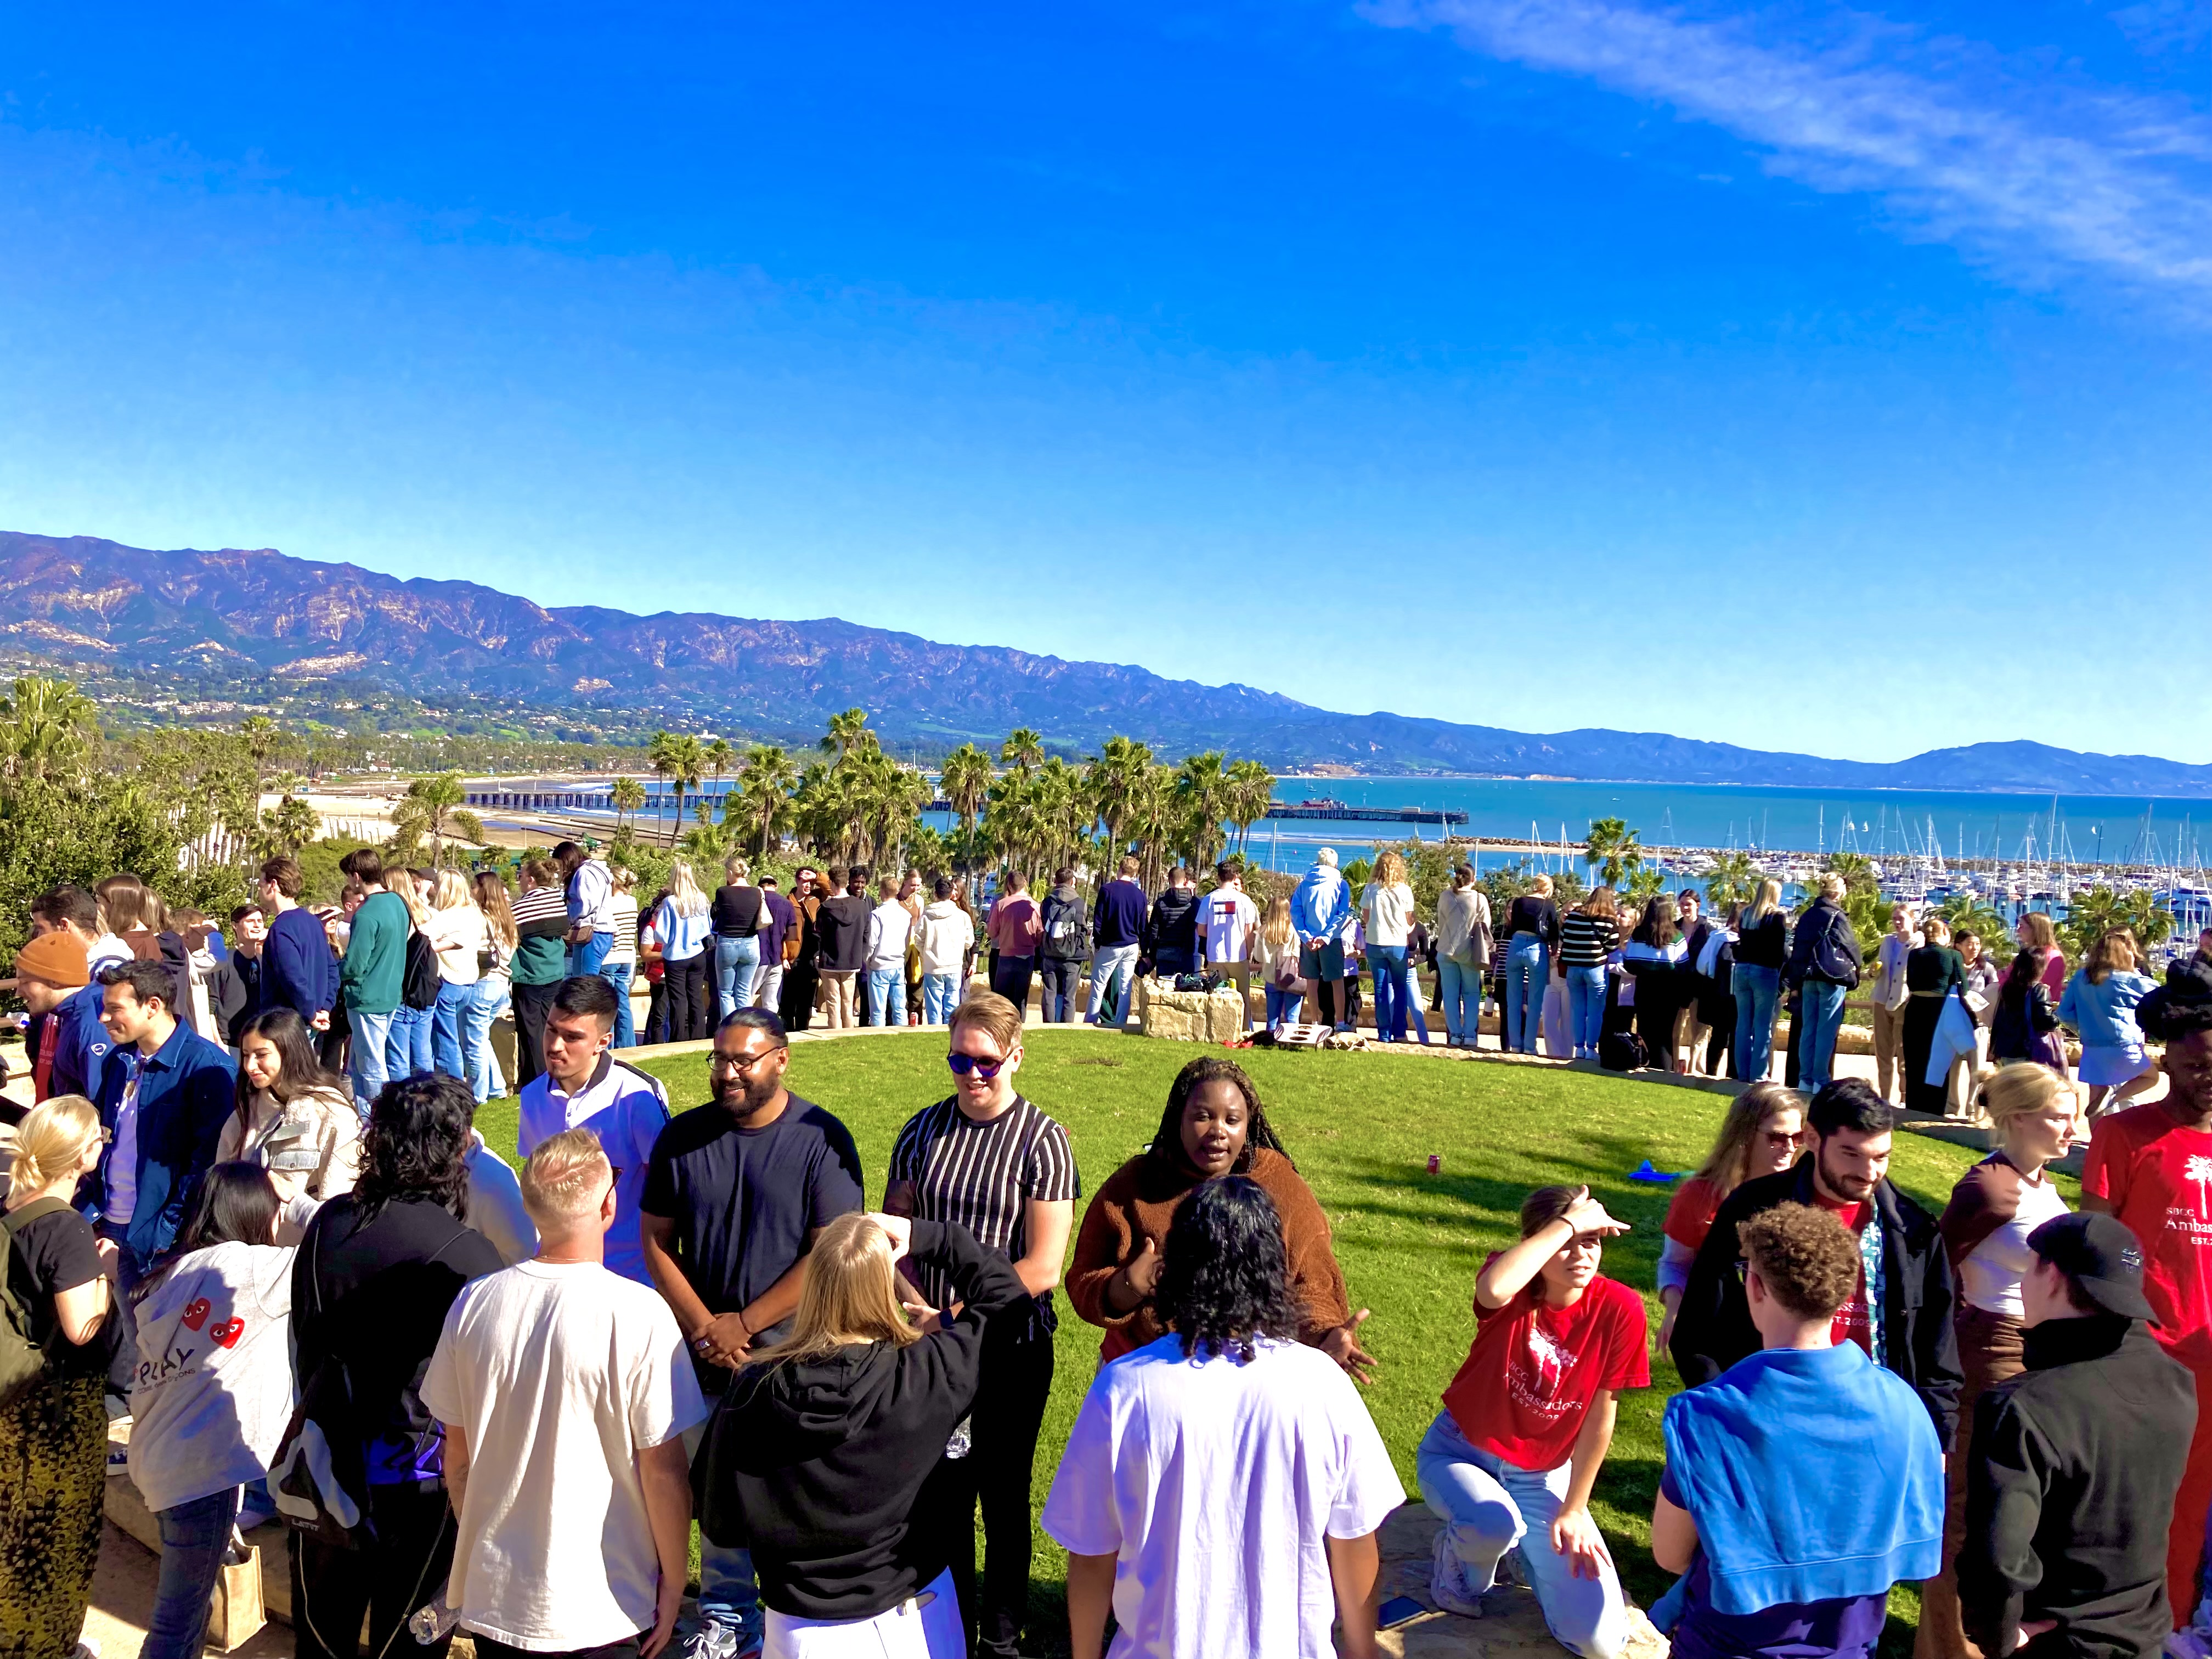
{"x": 1223, "y": 1486}
{"x": 565, "y": 1391}
{"x": 1228, "y": 918}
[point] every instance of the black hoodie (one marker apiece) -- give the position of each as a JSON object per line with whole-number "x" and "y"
{"x": 814, "y": 1466}
{"x": 1171, "y": 936}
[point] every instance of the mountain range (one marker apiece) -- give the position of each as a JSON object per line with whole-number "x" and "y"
{"x": 79, "y": 602}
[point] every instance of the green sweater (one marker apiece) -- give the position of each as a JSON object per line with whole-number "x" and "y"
{"x": 376, "y": 955}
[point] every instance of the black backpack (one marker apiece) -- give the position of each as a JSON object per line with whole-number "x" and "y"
{"x": 418, "y": 987}
{"x": 1622, "y": 1051}
{"x": 1066, "y": 929}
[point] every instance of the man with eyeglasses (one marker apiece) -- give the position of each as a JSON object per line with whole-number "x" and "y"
{"x": 1899, "y": 1312}
{"x": 987, "y": 1159}
{"x": 737, "y": 1191}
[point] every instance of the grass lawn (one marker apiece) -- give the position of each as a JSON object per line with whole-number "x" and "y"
{"x": 1361, "y": 1129}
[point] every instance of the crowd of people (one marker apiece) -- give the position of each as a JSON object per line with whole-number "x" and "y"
{"x": 495, "y": 1402}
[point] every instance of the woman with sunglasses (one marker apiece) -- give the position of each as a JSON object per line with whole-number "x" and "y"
{"x": 1212, "y": 1127}
{"x": 991, "y": 1162}
{"x": 2031, "y": 1114}
{"x": 1762, "y": 1135}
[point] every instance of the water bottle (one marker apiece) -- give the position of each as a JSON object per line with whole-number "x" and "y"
{"x": 963, "y": 1440}
{"x": 433, "y": 1622}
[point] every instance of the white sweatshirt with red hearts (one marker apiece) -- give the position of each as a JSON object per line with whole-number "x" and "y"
{"x": 212, "y": 1390}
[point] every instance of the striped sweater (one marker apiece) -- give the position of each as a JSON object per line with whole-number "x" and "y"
{"x": 1585, "y": 940}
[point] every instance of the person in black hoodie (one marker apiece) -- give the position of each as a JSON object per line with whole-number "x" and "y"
{"x": 2074, "y": 1464}
{"x": 842, "y": 925}
{"x": 822, "y": 1443}
{"x": 1824, "y": 963}
{"x": 1904, "y": 1320}
{"x": 371, "y": 1284}
{"x": 1171, "y": 934}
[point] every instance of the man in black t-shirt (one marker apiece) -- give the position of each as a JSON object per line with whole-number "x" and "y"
{"x": 735, "y": 1196}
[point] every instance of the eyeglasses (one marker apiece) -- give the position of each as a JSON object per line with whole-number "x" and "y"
{"x": 967, "y": 1064}
{"x": 741, "y": 1063}
{"x": 1775, "y": 1137}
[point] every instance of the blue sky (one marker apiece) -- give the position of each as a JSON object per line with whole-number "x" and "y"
{"x": 1794, "y": 375}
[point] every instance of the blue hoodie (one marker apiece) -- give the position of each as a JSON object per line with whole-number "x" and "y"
{"x": 1321, "y": 906}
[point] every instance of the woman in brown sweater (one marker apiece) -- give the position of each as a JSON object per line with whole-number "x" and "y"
{"x": 1212, "y": 1127}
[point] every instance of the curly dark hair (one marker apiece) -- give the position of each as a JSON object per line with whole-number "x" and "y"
{"x": 1807, "y": 1258}
{"x": 1166, "y": 1149}
{"x": 415, "y": 1145}
{"x": 1225, "y": 1275}
{"x": 2178, "y": 1009}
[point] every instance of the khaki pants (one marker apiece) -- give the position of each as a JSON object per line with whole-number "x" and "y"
{"x": 1888, "y": 1049}
{"x": 1238, "y": 974}
{"x": 835, "y": 999}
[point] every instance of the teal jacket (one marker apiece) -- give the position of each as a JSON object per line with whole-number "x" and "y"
{"x": 376, "y": 955}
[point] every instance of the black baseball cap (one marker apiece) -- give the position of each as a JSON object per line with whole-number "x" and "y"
{"x": 2101, "y": 1255}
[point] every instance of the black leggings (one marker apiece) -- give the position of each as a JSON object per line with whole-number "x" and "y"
{"x": 686, "y": 984}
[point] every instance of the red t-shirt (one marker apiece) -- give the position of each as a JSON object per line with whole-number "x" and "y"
{"x": 2157, "y": 1175}
{"x": 1533, "y": 1371}
{"x": 1690, "y": 1216}
{"x": 1854, "y": 1320}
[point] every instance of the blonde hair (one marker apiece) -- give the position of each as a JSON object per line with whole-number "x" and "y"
{"x": 734, "y": 868}
{"x": 410, "y": 894}
{"x": 2011, "y": 1091}
{"x": 452, "y": 890}
{"x": 1390, "y": 869}
{"x": 994, "y": 1016}
{"x": 566, "y": 1178}
{"x": 2042, "y": 932}
{"x": 1935, "y": 931}
{"x": 1748, "y": 1115}
{"x": 1276, "y": 929}
{"x": 684, "y": 894}
{"x": 1766, "y": 902}
{"x": 850, "y": 1297}
{"x": 498, "y": 908}
{"x": 53, "y": 1137}
{"x": 2116, "y": 950}
{"x": 1832, "y": 886}
{"x": 1542, "y": 887}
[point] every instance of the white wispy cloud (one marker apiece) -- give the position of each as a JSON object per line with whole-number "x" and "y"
{"x": 2031, "y": 166}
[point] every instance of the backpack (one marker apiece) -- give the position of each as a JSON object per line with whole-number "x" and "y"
{"x": 1830, "y": 961}
{"x": 418, "y": 985}
{"x": 1067, "y": 929}
{"x": 1622, "y": 1051}
{"x": 22, "y": 1362}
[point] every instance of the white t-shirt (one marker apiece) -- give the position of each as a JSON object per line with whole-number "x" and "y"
{"x": 1989, "y": 1277}
{"x": 123, "y": 1156}
{"x": 559, "y": 1375}
{"x": 1218, "y": 1485}
{"x": 1230, "y": 919}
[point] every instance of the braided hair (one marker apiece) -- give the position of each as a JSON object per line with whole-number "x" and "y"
{"x": 1166, "y": 1150}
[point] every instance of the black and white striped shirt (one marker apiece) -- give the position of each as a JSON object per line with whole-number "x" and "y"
{"x": 983, "y": 1175}
{"x": 1586, "y": 940}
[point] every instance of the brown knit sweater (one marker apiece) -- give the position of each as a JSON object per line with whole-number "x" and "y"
{"x": 1139, "y": 1201}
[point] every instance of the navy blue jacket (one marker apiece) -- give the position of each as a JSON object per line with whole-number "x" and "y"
{"x": 1118, "y": 918}
{"x": 299, "y": 970}
{"x": 81, "y": 1045}
{"x": 187, "y": 1091}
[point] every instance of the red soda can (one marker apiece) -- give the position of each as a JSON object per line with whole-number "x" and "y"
{"x": 1436, "y": 1163}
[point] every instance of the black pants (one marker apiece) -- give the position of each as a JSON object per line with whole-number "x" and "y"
{"x": 1011, "y": 979}
{"x": 333, "y": 1589}
{"x": 488, "y": 1649}
{"x": 796, "y": 1006}
{"x": 656, "y": 1012}
{"x": 1009, "y": 1400}
{"x": 1325, "y": 993}
{"x": 531, "y": 1004}
{"x": 1922, "y": 1016}
{"x": 1795, "y": 1059}
{"x": 686, "y": 984}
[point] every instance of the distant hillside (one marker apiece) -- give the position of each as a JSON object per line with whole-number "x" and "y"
{"x": 237, "y": 615}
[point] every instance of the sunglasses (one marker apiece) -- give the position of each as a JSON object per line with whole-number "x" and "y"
{"x": 1775, "y": 1137}
{"x": 968, "y": 1065}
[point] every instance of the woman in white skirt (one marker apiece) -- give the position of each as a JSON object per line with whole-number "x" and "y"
{"x": 823, "y": 1440}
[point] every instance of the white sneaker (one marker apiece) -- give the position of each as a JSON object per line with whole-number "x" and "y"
{"x": 1447, "y": 1586}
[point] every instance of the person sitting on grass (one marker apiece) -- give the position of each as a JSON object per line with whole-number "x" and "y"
{"x": 1212, "y": 1127}
{"x": 1806, "y": 1479}
{"x": 1528, "y": 1421}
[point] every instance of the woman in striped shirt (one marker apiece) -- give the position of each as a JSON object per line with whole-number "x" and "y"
{"x": 1589, "y": 935}
{"x": 539, "y": 962}
{"x": 989, "y": 1160}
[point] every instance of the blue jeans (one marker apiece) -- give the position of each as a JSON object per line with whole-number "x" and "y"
{"x": 484, "y": 999}
{"x": 619, "y": 976}
{"x": 409, "y": 1051}
{"x": 1586, "y": 1009}
{"x": 584, "y": 959}
{"x": 1489, "y": 1507}
{"x": 371, "y": 1046}
{"x": 449, "y": 1022}
{"x": 735, "y": 961}
{"x": 886, "y": 996}
{"x": 1110, "y": 966}
{"x": 940, "y": 995}
{"x": 729, "y": 1593}
{"x": 1284, "y": 1007}
{"x": 1462, "y": 999}
{"x": 1393, "y": 989}
{"x": 193, "y": 1538}
{"x": 1824, "y": 1019}
{"x": 1756, "y": 990}
{"x": 1527, "y": 963}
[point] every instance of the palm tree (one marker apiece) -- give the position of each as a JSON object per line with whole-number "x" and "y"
{"x": 1730, "y": 881}
{"x": 1023, "y": 750}
{"x": 966, "y": 779}
{"x": 1114, "y": 780}
{"x": 1251, "y": 792}
{"x": 261, "y": 734}
{"x": 686, "y": 763}
{"x": 657, "y": 754}
{"x": 628, "y": 795}
{"x": 2099, "y": 911}
{"x": 46, "y": 727}
{"x": 1201, "y": 795}
{"x": 429, "y": 804}
{"x": 847, "y": 731}
{"x": 765, "y": 799}
{"x": 1615, "y": 850}
{"x": 720, "y": 758}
